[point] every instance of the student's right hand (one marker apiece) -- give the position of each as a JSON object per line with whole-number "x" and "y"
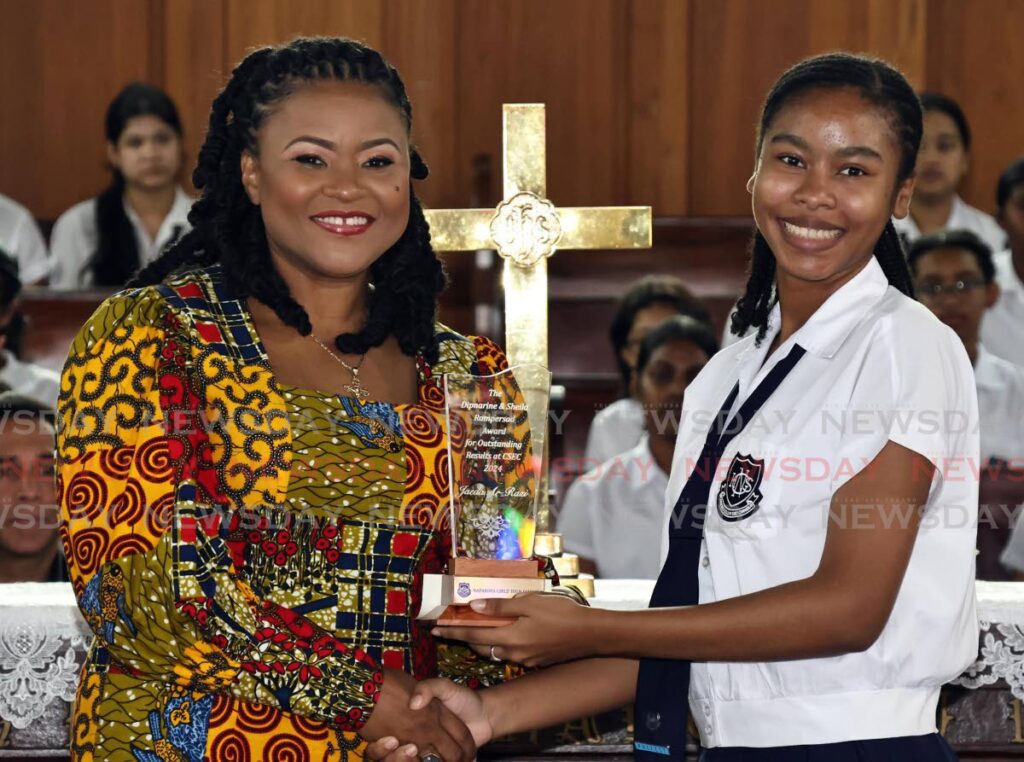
{"x": 419, "y": 720}
{"x": 464, "y": 702}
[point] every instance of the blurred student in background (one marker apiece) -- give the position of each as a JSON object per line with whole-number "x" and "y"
{"x": 1002, "y": 330}
{"x": 647, "y": 303}
{"x": 26, "y": 378}
{"x": 614, "y": 516}
{"x": 955, "y": 278}
{"x": 104, "y": 240}
{"x": 20, "y": 237}
{"x": 942, "y": 163}
{"x": 29, "y": 545}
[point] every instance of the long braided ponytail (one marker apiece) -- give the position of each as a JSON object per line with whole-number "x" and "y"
{"x": 227, "y": 228}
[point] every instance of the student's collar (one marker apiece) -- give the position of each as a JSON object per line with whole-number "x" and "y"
{"x": 986, "y": 371}
{"x": 826, "y": 330}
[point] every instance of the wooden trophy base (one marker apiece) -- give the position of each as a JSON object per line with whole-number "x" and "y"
{"x": 473, "y": 579}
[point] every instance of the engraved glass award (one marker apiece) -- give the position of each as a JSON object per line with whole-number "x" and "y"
{"x": 495, "y": 428}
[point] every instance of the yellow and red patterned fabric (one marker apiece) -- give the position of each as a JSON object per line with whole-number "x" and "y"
{"x": 249, "y": 555}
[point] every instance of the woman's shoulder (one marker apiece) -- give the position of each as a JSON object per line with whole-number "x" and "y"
{"x": 121, "y": 317}
{"x": 191, "y": 297}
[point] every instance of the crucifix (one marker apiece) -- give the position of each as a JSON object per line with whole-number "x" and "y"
{"x": 526, "y": 229}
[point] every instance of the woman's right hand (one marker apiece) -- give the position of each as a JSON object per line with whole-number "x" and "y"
{"x": 429, "y": 726}
{"x": 464, "y": 702}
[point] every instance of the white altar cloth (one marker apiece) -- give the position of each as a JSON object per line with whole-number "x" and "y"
{"x": 43, "y": 640}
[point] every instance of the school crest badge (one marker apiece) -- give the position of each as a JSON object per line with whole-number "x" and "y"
{"x": 739, "y": 494}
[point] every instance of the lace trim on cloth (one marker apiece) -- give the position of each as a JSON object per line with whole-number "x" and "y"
{"x": 1000, "y": 657}
{"x": 43, "y": 641}
{"x": 42, "y": 647}
{"x": 1001, "y": 646}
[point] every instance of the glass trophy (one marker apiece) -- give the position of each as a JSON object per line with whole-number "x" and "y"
{"x": 495, "y": 428}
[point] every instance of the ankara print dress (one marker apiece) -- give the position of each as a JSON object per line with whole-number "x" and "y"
{"x": 249, "y": 555}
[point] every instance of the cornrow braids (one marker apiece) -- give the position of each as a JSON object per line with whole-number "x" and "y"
{"x": 754, "y": 307}
{"x": 227, "y": 228}
{"x": 882, "y": 86}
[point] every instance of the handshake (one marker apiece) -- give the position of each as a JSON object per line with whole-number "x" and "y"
{"x": 438, "y": 720}
{"x": 432, "y": 720}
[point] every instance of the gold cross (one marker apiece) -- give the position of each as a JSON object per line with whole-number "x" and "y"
{"x": 526, "y": 229}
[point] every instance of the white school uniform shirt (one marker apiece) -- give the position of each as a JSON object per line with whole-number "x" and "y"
{"x": 1002, "y": 328}
{"x": 20, "y": 237}
{"x": 34, "y": 381}
{"x": 75, "y": 238}
{"x": 614, "y": 430}
{"x": 871, "y": 352}
{"x": 1001, "y": 407}
{"x": 962, "y": 216}
{"x": 613, "y": 515}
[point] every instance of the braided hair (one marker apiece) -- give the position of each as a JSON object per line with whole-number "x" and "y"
{"x": 879, "y": 84}
{"x": 227, "y": 228}
{"x": 117, "y": 252}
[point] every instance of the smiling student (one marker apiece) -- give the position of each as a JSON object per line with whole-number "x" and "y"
{"x": 829, "y": 611}
{"x": 251, "y": 440}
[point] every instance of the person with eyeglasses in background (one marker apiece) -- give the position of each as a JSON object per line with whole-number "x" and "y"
{"x": 954, "y": 277}
{"x": 29, "y": 545}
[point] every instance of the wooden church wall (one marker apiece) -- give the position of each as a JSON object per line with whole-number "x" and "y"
{"x": 650, "y": 101}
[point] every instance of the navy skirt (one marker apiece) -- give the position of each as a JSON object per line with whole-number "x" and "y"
{"x": 930, "y": 748}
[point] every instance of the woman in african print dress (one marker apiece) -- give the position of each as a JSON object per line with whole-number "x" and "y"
{"x": 246, "y": 531}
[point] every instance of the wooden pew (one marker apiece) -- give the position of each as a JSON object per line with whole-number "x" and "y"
{"x": 54, "y": 318}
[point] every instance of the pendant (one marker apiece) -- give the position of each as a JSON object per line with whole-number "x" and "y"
{"x": 357, "y": 390}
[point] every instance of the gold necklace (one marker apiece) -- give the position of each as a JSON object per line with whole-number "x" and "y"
{"x": 356, "y": 388}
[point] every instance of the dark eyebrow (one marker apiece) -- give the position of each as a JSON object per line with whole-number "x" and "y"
{"x": 322, "y": 142}
{"x": 379, "y": 142}
{"x": 861, "y": 151}
{"x": 332, "y": 146}
{"x": 788, "y": 137}
{"x": 843, "y": 153}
